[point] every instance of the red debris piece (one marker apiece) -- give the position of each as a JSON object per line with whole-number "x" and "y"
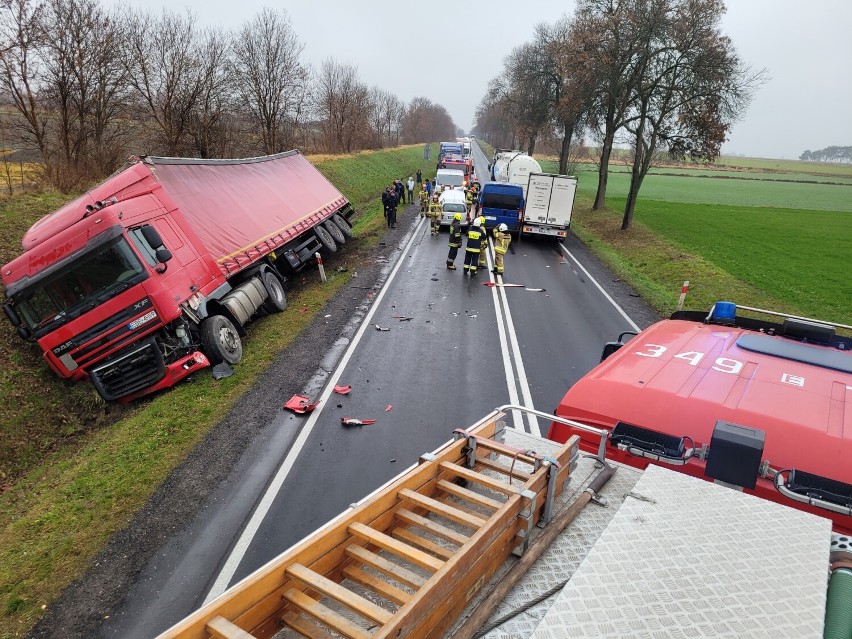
{"x": 387, "y": 410}
{"x": 304, "y": 309}
{"x": 351, "y": 421}
{"x": 342, "y": 390}
{"x": 300, "y": 404}
{"x": 502, "y": 285}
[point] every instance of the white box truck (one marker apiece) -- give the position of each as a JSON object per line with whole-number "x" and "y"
{"x": 549, "y": 203}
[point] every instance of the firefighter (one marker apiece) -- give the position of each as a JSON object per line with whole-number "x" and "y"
{"x": 455, "y": 241}
{"x": 435, "y": 214}
{"x": 470, "y": 198}
{"x": 474, "y": 243}
{"x": 502, "y": 239}
{"x": 483, "y": 253}
{"x": 424, "y": 199}
{"x": 476, "y": 188}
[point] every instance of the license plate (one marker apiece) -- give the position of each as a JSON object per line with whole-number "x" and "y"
{"x": 147, "y": 317}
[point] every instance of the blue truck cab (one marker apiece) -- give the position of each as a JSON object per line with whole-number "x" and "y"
{"x": 502, "y": 203}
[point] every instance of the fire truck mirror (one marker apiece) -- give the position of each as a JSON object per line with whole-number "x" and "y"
{"x": 163, "y": 255}
{"x": 609, "y": 348}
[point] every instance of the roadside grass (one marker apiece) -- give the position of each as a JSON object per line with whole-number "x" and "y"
{"x": 80, "y": 485}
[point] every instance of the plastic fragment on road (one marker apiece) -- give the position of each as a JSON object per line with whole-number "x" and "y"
{"x": 304, "y": 309}
{"x": 342, "y": 390}
{"x": 388, "y": 408}
{"x": 536, "y": 290}
{"x": 403, "y": 318}
{"x": 381, "y": 328}
{"x": 351, "y": 421}
{"x": 301, "y": 404}
{"x": 503, "y": 285}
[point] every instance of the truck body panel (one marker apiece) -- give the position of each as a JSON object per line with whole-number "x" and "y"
{"x": 95, "y": 293}
{"x": 549, "y": 204}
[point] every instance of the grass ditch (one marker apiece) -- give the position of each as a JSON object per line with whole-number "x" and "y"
{"x": 91, "y": 465}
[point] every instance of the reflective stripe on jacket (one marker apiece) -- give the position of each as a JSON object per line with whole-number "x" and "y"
{"x": 474, "y": 239}
{"x": 501, "y": 242}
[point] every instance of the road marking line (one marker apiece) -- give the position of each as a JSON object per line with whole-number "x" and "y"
{"x": 600, "y": 288}
{"x": 233, "y": 561}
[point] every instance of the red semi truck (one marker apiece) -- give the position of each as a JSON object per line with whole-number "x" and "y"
{"x": 152, "y": 275}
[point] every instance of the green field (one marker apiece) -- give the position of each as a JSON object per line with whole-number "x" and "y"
{"x": 791, "y": 242}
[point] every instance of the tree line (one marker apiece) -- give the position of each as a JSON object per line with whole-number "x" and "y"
{"x": 829, "y": 154}
{"x": 652, "y": 76}
{"x": 84, "y": 88}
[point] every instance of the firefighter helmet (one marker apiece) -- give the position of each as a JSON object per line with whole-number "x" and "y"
{"x": 502, "y": 228}
{"x": 476, "y": 223}
{"x": 458, "y": 217}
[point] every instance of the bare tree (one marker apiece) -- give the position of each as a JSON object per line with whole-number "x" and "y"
{"x": 342, "y": 106}
{"x": 425, "y": 121}
{"x": 271, "y": 80}
{"x": 210, "y": 122}
{"x": 162, "y": 61}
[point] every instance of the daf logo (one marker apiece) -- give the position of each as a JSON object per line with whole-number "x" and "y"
{"x": 63, "y": 347}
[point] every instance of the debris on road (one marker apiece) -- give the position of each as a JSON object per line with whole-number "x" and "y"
{"x": 536, "y": 290}
{"x": 403, "y": 318}
{"x": 222, "y": 370}
{"x": 301, "y": 404}
{"x": 351, "y": 421}
{"x": 342, "y": 390}
{"x": 304, "y": 309}
{"x": 503, "y": 285}
{"x": 388, "y": 409}
{"x": 381, "y": 328}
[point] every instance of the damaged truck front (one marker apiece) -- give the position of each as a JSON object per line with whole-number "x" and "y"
{"x": 152, "y": 274}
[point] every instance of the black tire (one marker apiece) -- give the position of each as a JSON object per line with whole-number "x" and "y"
{"x": 277, "y": 300}
{"x": 324, "y": 237}
{"x": 221, "y": 340}
{"x": 335, "y": 232}
{"x": 343, "y": 225}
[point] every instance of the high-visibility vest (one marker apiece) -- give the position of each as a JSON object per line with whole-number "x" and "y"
{"x": 474, "y": 239}
{"x": 435, "y": 209}
{"x": 455, "y": 234}
{"x": 501, "y": 242}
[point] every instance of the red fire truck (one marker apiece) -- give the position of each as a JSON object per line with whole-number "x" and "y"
{"x": 152, "y": 274}
{"x": 759, "y": 405}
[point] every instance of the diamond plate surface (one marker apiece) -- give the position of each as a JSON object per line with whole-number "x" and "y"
{"x": 687, "y": 558}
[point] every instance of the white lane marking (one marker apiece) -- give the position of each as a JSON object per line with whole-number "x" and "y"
{"x": 523, "y": 382}
{"x": 600, "y": 288}
{"x": 240, "y": 548}
{"x": 517, "y": 419}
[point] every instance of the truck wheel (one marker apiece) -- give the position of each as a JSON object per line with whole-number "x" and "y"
{"x": 220, "y": 340}
{"x": 334, "y": 231}
{"x": 343, "y": 225}
{"x": 277, "y": 300}
{"x": 325, "y": 239}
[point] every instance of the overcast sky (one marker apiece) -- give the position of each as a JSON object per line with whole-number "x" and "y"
{"x": 448, "y": 50}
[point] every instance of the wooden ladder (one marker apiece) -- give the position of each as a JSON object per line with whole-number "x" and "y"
{"x": 406, "y": 561}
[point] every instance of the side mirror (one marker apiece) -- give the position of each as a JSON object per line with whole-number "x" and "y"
{"x": 163, "y": 255}
{"x": 12, "y": 314}
{"x": 609, "y": 348}
{"x": 151, "y": 236}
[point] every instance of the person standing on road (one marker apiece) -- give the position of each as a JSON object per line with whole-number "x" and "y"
{"x": 455, "y": 241}
{"x": 435, "y": 210}
{"x": 393, "y": 201}
{"x": 483, "y": 250}
{"x": 424, "y": 200}
{"x": 472, "y": 248}
{"x": 410, "y": 190}
{"x": 428, "y": 186}
{"x": 400, "y": 191}
{"x": 502, "y": 239}
{"x": 386, "y": 202}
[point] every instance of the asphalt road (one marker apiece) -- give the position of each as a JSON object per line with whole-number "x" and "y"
{"x": 466, "y": 349}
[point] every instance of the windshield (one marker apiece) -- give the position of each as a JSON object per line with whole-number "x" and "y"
{"x": 501, "y": 201}
{"x": 88, "y": 282}
{"x": 458, "y": 166}
{"x": 452, "y": 207}
{"x": 451, "y": 179}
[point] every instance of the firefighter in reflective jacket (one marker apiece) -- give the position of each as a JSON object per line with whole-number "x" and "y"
{"x": 474, "y": 243}
{"x": 424, "y": 199}
{"x": 455, "y": 241}
{"x": 502, "y": 239}
{"x": 483, "y": 253}
{"x": 470, "y": 198}
{"x": 435, "y": 211}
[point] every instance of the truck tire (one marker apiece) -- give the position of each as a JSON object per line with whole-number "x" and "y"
{"x": 324, "y": 237}
{"x": 277, "y": 300}
{"x": 335, "y": 232}
{"x": 221, "y": 340}
{"x": 343, "y": 225}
